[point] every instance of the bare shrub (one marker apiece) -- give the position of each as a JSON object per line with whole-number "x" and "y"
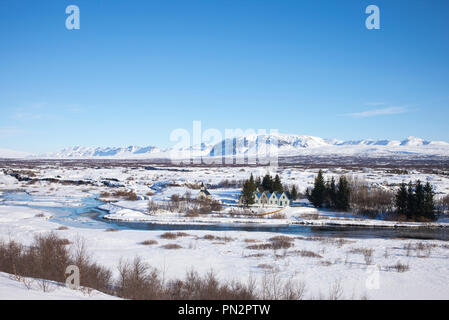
{"x": 47, "y": 258}
{"x": 336, "y": 291}
{"x": 294, "y": 290}
{"x": 62, "y": 228}
{"x": 370, "y": 200}
{"x": 281, "y": 242}
{"x": 152, "y": 207}
{"x": 423, "y": 250}
{"x": 112, "y": 230}
{"x": 138, "y": 281}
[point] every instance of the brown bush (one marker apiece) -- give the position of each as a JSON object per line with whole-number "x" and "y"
{"x": 48, "y": 257}
{"x": 126, "y": 195}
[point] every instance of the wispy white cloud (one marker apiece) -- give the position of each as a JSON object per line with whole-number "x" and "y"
{"x": 378, "y": 112}
{"x": 10, "y": 131}
{"x": 375, "y": 104}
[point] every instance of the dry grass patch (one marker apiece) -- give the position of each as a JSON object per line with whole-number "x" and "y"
{"x": 255, "y": 255}
{"x": 173, "y": 235}
{"x": 149, "y": 242}
{"x": 307, "y": 254}
{"x": 171, "y": 246}
{"x": 399, "y": 267}
{"x": 112, "y": 230}
{"x": 216, "y": 238}
{"x": 422, "y": 249}
{"x": 281, "y": 242}
{"x": 366, "y": 252}
{"x": 310, "y": 216}
{"x": 326, "y": 263}
{"x": 62, "y": 228}
{"x": 260, "y": 246}
{"x": 339, "y": 242}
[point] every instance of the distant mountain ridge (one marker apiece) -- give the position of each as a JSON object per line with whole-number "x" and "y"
{"x": 284, "y": 144}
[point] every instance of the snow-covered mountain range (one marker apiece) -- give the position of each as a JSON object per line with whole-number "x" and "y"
{"x": 285, "y": 145}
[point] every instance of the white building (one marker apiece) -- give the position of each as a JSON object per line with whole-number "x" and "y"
{"x": 203, "y": 194}
{"x": 267, "y": 199}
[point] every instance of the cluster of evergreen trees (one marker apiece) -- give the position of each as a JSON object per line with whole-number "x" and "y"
{"x": 415, "y": 202}
{"x": 329, "y": 194}
{"x": 267, "y": 183}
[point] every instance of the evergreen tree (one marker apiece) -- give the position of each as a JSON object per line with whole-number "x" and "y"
{"x": 249, "y": 187}
{"x": 267, "y": 183}
{"x": 419, "y": 199}
{"x": 401, "y": 199}
{"x": 294, "y": 193}
{"x": 429, "y": 202}
{"x": 411, "y": 201}
{"x": 316, "y": 196}
{"x": 343, "y": 194}
{"x": 258, "y": 183}
{"x": 277, "y": 185}
{"x": 331, "y": 193}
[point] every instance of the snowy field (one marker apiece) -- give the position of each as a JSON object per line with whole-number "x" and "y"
{"x": 362, "y": 267}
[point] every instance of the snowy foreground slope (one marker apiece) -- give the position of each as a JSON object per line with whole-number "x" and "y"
{"x": 284, "y": 145}
{"x": 19, "y": 288}
{"x": 427, "y": 277}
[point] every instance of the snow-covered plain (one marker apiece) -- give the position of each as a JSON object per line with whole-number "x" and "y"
{"x": 228, "y": 254}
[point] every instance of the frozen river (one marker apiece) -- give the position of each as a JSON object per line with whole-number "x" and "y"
{"x": 85, "y": 213}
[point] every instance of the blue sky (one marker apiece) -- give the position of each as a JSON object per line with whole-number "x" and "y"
{"x": 136, "y": 70}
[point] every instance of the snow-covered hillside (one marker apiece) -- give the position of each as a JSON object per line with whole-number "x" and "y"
{"x": 284, "y": 145}
{"x": 6, "y": 153}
